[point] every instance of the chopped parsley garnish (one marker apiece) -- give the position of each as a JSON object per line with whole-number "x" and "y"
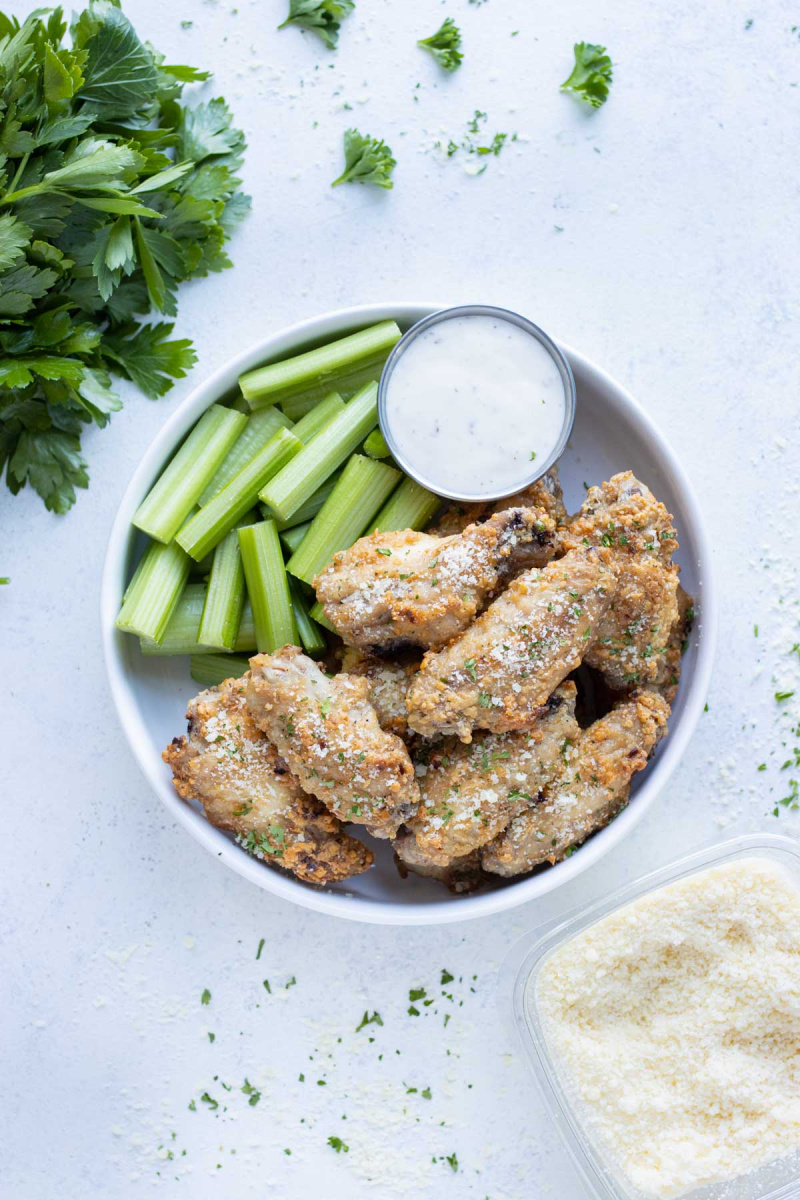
{"x": 338, "y": 1145}
{"x": 366, "y": 160}
{"x": 452, "y": 1160}
{"x": 322, "y": 17}
{"x": 781, "y": 696}
{"x": 416, "y": 994}
{"x": 325, "y": 707}
{"x": 375, "y": 1019}
{"x": 260, "y": 948}
{"x": 212, "y": 1037}
{"x": 484, "y": 699}
{"x": 205, "y": 997}
{"x": 446, "y": 977}
{"x": 591, "y": 76}
{"x": 210, "y": 1101}
{"x": 252, "y": 1092}
{"x": 469, "y": 667}
{"x": 445, "y": 44}
{"x": 385, "y": 550}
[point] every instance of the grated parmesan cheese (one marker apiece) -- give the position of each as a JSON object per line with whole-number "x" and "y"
{"x": 676, "y": 1022}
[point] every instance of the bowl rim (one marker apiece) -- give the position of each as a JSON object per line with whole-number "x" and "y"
{"x": 462, "y": 908}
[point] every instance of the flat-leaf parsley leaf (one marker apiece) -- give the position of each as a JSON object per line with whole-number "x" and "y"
{"x": 445, "y": 44}
{"x": 591, "y": 76}
{"x": 366, "y": 160}
{"x": 322, "y": 17}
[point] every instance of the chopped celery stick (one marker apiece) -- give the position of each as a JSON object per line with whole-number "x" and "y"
{"x": 219, "y": 625}
{"x": 211, "y": 669}
{"x": 219, "y": 516}
{"x": 267, "y": 586}
{"x": 375, "y": 445}
{"x": 296, "y": 482}
{"x": 357, "y": 497}
{"x": 246, "y": 641}
{"x": 257, "y": 432}
{"x": 154, "y": 591}
{"x": 311, "y": 635}
{"x": 184, "y": 626}
{"x": 309, "y": 508}
{"x": 411, "y": 506}
{"x": 315, "y": 421}
{"x": 317, "y": 613}
{"x": 178, "y": 488}
{"x": 297, "y": 407}
{"x": 318, "y": 368}
{"x": 292, "y": 538}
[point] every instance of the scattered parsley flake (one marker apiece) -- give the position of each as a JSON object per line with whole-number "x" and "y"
{"x": 781, "y": 696}
{"x": 260, "y": 948}
{"x": 375, "y": 1019}
{"x": 338, "y": 1145}
{"x": 205, "y": 997}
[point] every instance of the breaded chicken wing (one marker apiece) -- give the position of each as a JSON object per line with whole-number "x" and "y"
{"x": 471, "y": 793}
{"x": 669, "y": 665}
{"x": 544, "y": 494}
{"x": 245, "y": 787}
{"x": 460, "y": 875}
{"x": 591, "y": 789}
{"x": 389, "y": 682}
{"x": 637, "y": 538}
{"x": 328, "y": 732}
{"x": 500, "y": 672}
{"x": 399, "y": 589}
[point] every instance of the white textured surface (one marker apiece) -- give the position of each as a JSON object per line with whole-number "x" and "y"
{"x": 677, "y": 270}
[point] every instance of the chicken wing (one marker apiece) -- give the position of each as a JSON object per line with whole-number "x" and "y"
{"x": 399, "y": 589}
{"x": 544, "y": 494}
{"x": 591, "y": 789}
{"x": 460, "y": 875}
{"x": 245, "y": 787}
{"x": 471, "y": 793}
{"x": 328, "y": 732}
{"x": 637, "y": 538}
{"x": 669, "y": 666}
{"x": 388, "y": 684}
{"x": 500, "y": 672}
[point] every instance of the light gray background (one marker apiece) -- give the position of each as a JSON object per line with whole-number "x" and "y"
{"x": 677, "y": 270}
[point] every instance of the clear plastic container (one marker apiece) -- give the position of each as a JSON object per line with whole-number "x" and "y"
{"x": 603, "y": 1179}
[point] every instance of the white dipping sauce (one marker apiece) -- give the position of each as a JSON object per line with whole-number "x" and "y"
{"x": 474, "y": 404}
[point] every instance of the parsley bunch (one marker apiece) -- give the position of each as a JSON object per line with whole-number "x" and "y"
{"x": 112, "y": 192}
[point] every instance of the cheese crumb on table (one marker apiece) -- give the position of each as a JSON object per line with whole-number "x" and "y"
{"x": 676, "y": 1022}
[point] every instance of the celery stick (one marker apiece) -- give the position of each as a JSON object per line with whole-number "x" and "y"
{"x": 411, "y": 506}
{"x": 375, "y": 445}
{"x": 317, "y": 613}
{"x": 220, "y": 515}
{"x": 315, "y": 421}
{"x": 297, "y": 407}
{"x": 184, "y": 626}
{"x": 291, "y": 538}
{"x": 357, "y": 497}
{"x": 310, "y": 633}
{"x": 309, "y": 508}
{"x": 316, "y": 368}
{"x": 175, "y": 493}
{"x": 267, "y": 586}
{"x": 295, "y": 483}
{"x": 154, "y": 591}
{"x": 257, "y": 432}
{"x": 211, "y": 669}
{"x": 222, "y": 613}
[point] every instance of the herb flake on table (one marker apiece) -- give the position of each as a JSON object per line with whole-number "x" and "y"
{"x": 591, "y": 76}
{"x": 322, "y": 17}
{"x": 366, "y": 160}
{"x": 445, "y": 45}
{"x": 112, "y": 193}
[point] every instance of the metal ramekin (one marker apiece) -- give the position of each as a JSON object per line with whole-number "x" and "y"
{"x": 478, "y": 310}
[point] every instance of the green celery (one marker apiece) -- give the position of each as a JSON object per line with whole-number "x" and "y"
{"x": 267, "y": 586}
{"x": 411, "y": 506}
{"x": 257, "y": 432}
{"x": 286, "y": 491}
{"x": 364, "y": 486}
{"x": 309, "y": 508}
{"x": 347, "y": 386}
{"x": 317, "y": 613}
{"x": 246, "y": 641}
{"x": 219, "y": 516}
{"x": 315, "y": 421}
{"x": 178, "y": 488}
{"x": 155, "y": 590}
{"x": 225, "y": 596}
{"x": 184, "y": 626}
{"x": 211, "y": 669}
{"x": 291, "y": 538}
{"x": 376, "y": 446}
{"x": 320, "y": 368}
{"x": 310, "y": 633}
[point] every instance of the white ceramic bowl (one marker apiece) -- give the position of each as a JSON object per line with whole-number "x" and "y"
{"x": 611, "y": 434}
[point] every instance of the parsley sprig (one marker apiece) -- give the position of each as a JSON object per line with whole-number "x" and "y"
{"x": 445, "y": 45}
{"x": 366, "y": 160}
{"x": 591, "y": 76}
{"x": 112, "y": 192}
{"x": 322, "y": 17}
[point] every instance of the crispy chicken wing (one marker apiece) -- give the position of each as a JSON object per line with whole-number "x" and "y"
{"x": 328, "y": 732}
{"x": 591, "y": 789}
{"x": 471, "y": 793}
{"x": 388, "y": 684}
{"x": 460, "y": 875}
{"x": 544, "y": 494}
{"x": 500, "y": 672}
{"x": 245, "y": 787}
{"x": 637, "y": 538}
{"x": 669, "y": 666}
{"x": 410, "y": 589}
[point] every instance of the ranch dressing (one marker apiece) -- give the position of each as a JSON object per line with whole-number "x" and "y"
{"x": 474, "y": 406}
